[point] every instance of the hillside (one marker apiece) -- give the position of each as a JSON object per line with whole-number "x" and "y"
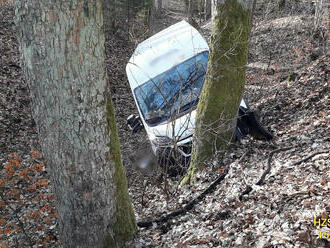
{"x": 287, "y": 82}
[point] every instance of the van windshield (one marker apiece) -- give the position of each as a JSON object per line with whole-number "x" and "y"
{"x": 173, "y": 91}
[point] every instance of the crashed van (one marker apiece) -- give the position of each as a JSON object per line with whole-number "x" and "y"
{"x": 166, "y": 75}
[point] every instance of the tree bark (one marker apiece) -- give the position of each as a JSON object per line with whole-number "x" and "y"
{"x": 224, "y": 84}
{"x": 318, "y": 13}
{"x": 191, "y": 13}
{"x": 207, "y": 9}
{"x": 165, "y": 4}
{"x": 155, "y": 7}
{"x": 63, "y": 55}
{"x": 116, "y": 17}
{"x": 214, "y": 4}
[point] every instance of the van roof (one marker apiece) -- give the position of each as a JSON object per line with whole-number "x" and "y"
{"x": 162, "y": 51}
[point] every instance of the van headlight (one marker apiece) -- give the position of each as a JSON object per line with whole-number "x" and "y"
{"x": 160, "y": 140}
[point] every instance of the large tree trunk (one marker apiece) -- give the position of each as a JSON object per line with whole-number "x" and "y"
{"x": 214, "y": 10}
{"x": 225, "y": 79}
{"x": 62, "y": 45}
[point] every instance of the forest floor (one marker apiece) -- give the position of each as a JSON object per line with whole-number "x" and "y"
{"x": 287, "y": 82}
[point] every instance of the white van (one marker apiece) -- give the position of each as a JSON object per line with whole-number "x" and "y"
{"x": 166, "y": 74}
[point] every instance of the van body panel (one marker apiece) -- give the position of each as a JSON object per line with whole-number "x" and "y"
{"x": 162, "y": 51}
{"x": 154, "y": 56}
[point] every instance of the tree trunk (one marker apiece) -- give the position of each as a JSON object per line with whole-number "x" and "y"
{"x": 62, "y": 45}
{"x": 110, "y": 16}
{"x": 207, "y": 9}
{"x": 165, "y": 4}
{"x": 115, "y": 17}
{"x": 213, "y": 10}
{"x": 224, "y": 84}
{"x": 318, "y": 13}
{"x": 155, "y": 7}
{"x": 192, "y": 9}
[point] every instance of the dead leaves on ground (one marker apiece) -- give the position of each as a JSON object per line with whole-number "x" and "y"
{"x": 26, "y": 203}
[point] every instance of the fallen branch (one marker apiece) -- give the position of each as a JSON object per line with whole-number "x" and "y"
{"x": 308, "y": 157}
{"x": 264, "y": 174}
{"x": 211, "y": 188}
{"x": 187, "y": 207}
{"x": 262, "y": 178}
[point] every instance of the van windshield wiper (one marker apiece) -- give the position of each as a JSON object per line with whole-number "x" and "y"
{"x": 188, "y": 105}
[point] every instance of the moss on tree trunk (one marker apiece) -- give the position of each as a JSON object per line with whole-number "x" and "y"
{"x": 63, "y": 55}
{"x": 224, "y": 84}
{"x": 124, "y": 226}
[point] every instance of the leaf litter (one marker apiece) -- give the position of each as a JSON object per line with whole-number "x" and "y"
{"x": 278, "y": 213}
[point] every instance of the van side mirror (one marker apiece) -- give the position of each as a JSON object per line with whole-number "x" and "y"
{"x": 134, "y": 123}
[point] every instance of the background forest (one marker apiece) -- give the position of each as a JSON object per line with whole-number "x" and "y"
{"x": 287, "y": 82}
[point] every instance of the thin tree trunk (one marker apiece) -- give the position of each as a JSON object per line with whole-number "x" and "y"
{"x": 165, "y": 4}
{"x": 225, "y": 79}
{"x": 207, "y": 9}
{"x": 190, "y": 10}
{"x": 192, "y": 7}
{"x": 318, "y": 13}
{"x": 155, "y": 7}
{"x": 213, "y": 9}
{"x": 62, "y": 45}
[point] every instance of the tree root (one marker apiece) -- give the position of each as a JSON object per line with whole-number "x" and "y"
{"x": 188, "y": 178}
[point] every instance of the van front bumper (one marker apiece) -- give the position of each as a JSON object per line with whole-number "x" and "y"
{"x": 178, "y": 155}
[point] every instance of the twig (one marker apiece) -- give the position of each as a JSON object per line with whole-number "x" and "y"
{"x": 143, "y": 192}
{"x": 308, "y": 157}
{"x": 264, "y": 174}
{"x": 243, "y": 156}
{"x": 262, "y": 178}
{"x": 187, "y": 207}
{"x": 211, "y": 188}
